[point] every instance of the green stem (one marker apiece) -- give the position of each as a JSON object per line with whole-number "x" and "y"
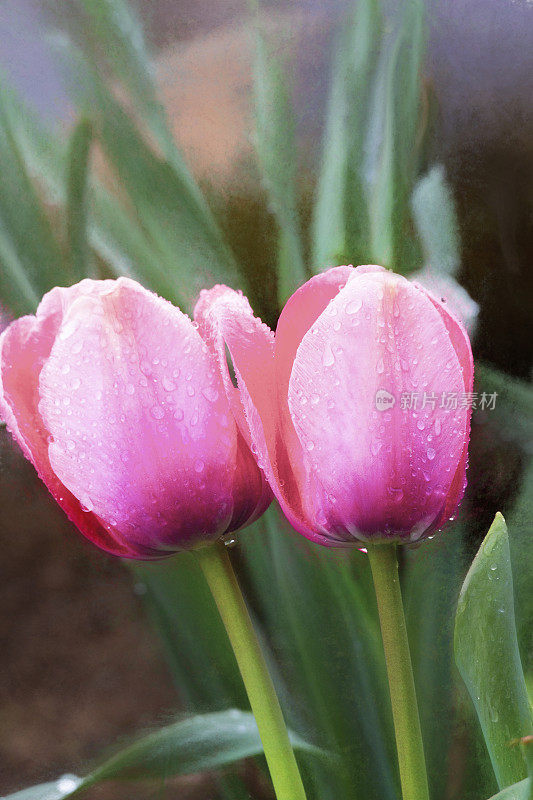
{"x": 219, "y": 574}
{"x": 409, "y": 745}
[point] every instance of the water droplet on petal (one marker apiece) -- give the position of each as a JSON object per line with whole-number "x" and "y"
{"x": 157, "y": 412}
{"x": 354, "y": 305}
{"x": 430, "y": 453}
{"x": 328, "y": 358}
{"x": 210, "y": 393}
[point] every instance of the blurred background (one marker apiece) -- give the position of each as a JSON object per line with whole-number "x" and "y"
{"x": 82, "y": 666}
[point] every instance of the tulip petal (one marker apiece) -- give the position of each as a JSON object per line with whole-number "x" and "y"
{"x": 371, "y": 472}
{"x": 24, "y": 347}
{"x": 139, "y": 423}
{"x": 225, "y": 318}
{"x": 461, "y": 344}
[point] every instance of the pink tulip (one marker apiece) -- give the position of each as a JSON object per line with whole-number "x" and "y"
{"x": 328, "y": 404}
{"x": 120, "y": 406}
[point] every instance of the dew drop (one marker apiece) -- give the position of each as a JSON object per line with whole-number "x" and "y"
{"x": 328, "y": 358}
{"x": 438, "y": 427}
{"x": 168, "y": 385}
{"x": 430, "y": 452}
{"x": 354, "y": 306}
{"x": 157, "y": 412}
{"x": 198, "y": 466}
{"x": 130, "y": 389}
{"x": 310, "y": 446}
{"x": 210, "y": 393}
{"x": 380, "y": 366}
{"x": 67, "y": 783}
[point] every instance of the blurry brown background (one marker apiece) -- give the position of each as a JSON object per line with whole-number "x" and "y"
{"x": 80, "y": 665}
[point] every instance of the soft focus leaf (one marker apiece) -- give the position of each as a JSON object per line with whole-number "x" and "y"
{"x": 189, "y": 249}
{"x": 118, "y": 38}
{"x": 206, "y": 741}
{"x": 486, "y": 652}
{"x": 195, "y": 744}
{"x": 53, "y": 790}
{"x": 340, "y": 219}
{"x": 521, "y": 526}
{"x": 513, "y": 409}
{"x": 192, "y": 633}
{"x": 276, "y": 149}
{"x": 431, "y": 580}
{"x": 322, "y": 623}
{"x": 518, "y": 791}
{"x": 29, "y": 248}
{"x": 392, "y": 139}
{"x": 80, "y": 144}
{"x": 436, "y": 221}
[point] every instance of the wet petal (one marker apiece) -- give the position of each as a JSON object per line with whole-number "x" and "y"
{"x": 24, "y": 347}
{"x": 140, "y": 428}
{"x": 368, "y": 471}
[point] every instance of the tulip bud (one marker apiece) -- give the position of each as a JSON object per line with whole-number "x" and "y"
{"x": 360, "y": 411}
{"x": 120, "y": 406}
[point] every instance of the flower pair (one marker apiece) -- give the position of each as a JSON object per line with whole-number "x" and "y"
{"x": 130, "y": 415}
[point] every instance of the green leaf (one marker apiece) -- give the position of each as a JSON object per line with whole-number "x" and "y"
{"x": 203, "y": 742}
{"x": 53, "y": 790}
{"x": 431, "y": 581}
{"x": 436, "y": 221}
{"x": 29, "y": 248}
{"x": 392, "y": 139}
{"x": 199, "y": 743}
{"x": 487, "y": 655}
{"x": 513, "y": 410}
{"x": 115, "y": 29}
{"x": 80, "y": 144}
{"x": 176, "y": 590}
{"x": 276, "y": 149}
{"x": 521, "y": 525}
{"x": 322, "y": 624}
{"x": 518, "y": 791}
{"x": 189, "y": 248}
{"x": 340, "y": 218}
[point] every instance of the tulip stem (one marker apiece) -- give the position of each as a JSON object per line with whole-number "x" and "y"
{"x": 219, "y": 574}
{"x": 413, "y": 775}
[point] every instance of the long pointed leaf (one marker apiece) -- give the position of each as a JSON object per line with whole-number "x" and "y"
{"x": 276, "y": 149}
{"x": 486, "y": 652}
{"x": 340, "y": 219}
